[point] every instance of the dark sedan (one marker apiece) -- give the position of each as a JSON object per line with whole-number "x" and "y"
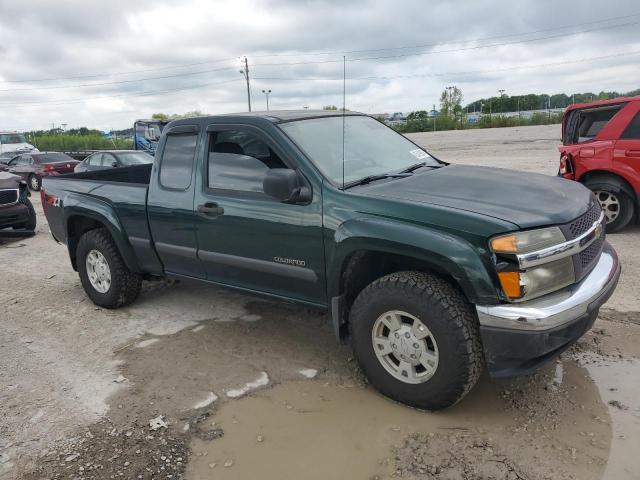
{"x": 16, "y": 210}
{"x": 113, "y": 159}
{"x": 33, "y": 166}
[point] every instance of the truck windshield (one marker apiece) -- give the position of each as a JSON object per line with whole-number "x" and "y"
{"x": 12, "y": 138}
{"x": 370, "y": 148}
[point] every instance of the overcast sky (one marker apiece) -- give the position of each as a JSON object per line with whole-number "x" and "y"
{"x": 98, "y": 63}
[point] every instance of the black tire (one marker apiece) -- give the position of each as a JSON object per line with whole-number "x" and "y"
{"x": 34, "y": 182}
{"x": 31, "y": 224}
{"x": 443, "y": 309}
{"x": 125, "y": 285}
{"x": 625, "y": 204}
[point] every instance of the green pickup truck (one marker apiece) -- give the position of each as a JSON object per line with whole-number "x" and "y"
{"x": 431, "y": 271}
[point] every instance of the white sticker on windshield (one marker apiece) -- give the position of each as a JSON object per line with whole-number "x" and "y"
{"x": 419, "y": 153}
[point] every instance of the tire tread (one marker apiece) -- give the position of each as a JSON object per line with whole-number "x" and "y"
{"x": 435, "y": 292}
{"x": 126, "y": 282}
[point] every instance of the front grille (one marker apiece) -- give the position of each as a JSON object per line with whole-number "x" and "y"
{"x": 584, "y": 261}
{"x": 584, "y": 222}
{"x": 590, "y": 253}
{"x": 9, "y": 197}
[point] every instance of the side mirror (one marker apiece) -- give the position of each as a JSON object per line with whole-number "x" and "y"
{"x": 284, "y": 185}
{"x": 115, "y": 164}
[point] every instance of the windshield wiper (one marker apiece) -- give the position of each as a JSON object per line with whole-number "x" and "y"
{"x": 417, "y": 166}
{"x": 373, "y": 178}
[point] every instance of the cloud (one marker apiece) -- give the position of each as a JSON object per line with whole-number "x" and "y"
{"x": 118, "y": 50}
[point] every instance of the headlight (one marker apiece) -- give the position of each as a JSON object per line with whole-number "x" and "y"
{"x": 525, "y": 284}
{"x": 527, "y": 241}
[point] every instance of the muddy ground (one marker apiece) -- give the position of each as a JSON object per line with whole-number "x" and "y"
{"x": 201, "y": 382}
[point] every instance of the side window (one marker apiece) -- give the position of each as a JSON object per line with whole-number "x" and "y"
{"x": 239, "y": 160}
{"x": 108, "y": 160}
{"x": 632, "y": 132}
{"x": 177, "y": 161}
{"x": 95, "y": 160}
{"x": 592, "y": 121}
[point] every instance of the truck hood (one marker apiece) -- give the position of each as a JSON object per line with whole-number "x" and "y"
{"x": 524, "y": 199}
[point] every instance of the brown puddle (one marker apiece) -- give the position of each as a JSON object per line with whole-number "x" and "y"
{"x": 317, "y": 430}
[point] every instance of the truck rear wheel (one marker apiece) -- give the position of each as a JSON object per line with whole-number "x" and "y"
{"x": 104, "y": 276}
{"x": 417, "y": 339}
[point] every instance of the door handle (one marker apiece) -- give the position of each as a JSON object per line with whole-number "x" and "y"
{"x": 211, "y": 209}
{"x": 632, "y": 153}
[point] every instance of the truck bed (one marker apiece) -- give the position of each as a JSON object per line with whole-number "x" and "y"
{"x": 119, "y": 194}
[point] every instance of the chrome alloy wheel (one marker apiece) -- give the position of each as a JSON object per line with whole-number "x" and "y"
{"x": 610, "y": 204}
{"x": 34, "y": 183}
{"x": 405, "y": 347}
{"x": 98, "y": 271}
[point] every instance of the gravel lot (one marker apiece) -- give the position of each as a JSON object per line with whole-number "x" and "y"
{"x": 239, "y": 387}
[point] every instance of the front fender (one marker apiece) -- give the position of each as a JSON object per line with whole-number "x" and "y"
{"x": 78, "y": 206}
{"x": 441, "y": 251}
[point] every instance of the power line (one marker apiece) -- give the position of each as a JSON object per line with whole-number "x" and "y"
{"x": 428, "y": 45}
{"x": 137, "y": 94}
{"x": 170, "y": 67}
{"x": 118, "y": 82}
{"x": 461, "y": 49}
{"x": 130, "y": 72}
{"x": 444, "y": 74}
{"x": 438, "y": 74}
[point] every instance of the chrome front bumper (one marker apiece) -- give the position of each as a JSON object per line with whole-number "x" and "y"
{"x": 560, "y": 308}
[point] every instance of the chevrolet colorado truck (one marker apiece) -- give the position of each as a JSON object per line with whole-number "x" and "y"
{"x": 432, "y": 271}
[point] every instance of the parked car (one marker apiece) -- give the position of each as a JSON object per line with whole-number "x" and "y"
{"x": 16, "y": 210}
{"x": 32, "y": 167}
{"x": 113, "y": 159}
{"x": 5, "y": 157}
{"x": 601, "y": 149}
{"x": 433, "y": 270}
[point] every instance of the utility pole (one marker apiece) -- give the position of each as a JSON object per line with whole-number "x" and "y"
{"x": 267, "y": 92}
{"x": 434, "y": 117}
{"x": 245, "y": 73}
{"x": 501, "y": 92}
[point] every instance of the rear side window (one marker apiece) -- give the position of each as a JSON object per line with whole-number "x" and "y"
{"x": 55, "y": 157}
{"x": 177, "y": 161}
{"x": 592, "y": 121}
{"x": 632, "y": 132}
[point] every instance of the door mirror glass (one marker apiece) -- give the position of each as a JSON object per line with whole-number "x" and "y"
{"x": 283, "y": 184}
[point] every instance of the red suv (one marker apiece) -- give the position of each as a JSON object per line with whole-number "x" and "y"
{"x": 601, "y": 149}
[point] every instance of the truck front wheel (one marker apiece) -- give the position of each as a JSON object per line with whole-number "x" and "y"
{"x": 417, "y": 339}
{"x": 104, "y": 276}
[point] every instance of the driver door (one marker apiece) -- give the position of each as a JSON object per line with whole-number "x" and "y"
{"x": 250, "y": 240}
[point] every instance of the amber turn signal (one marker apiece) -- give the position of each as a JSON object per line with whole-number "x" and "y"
{"x": 510, "y": 282}
{"x": 505, "y": 244}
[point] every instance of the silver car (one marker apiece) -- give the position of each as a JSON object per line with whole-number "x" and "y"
{"x": 113, "y": 159}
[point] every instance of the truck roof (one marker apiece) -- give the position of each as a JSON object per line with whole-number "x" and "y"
{"x": 274, "y": 116}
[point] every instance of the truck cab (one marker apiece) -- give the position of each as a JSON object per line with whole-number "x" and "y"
{"x": 601, "y": 149}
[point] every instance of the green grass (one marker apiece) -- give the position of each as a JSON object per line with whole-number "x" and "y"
{"x": 69, "y": 142}
{"x": 495, "y": 121}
